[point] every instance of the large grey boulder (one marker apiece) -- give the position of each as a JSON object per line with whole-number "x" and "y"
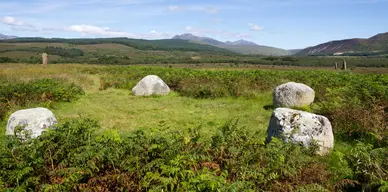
{"x": 151, "y": 85}
{"x": 293, "y": 95}
{"x": 33, "y": 121}
{"x": 301, "y": 127}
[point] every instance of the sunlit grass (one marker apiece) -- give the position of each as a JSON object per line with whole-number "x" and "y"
{"x": 118, "y": 109}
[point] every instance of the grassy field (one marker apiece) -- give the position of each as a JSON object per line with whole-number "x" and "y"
{"x": 228, "y": 66}
{"x": 118, "y": 109}
{"x": 206, "y": 135}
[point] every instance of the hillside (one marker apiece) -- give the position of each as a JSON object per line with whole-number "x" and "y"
{"x": 256, "y": 49}
{"x": 240, "y": 46}
{"x": 122, "y": 51}
{"x": 294, "y": 51}
{"x": 161, "y": 45}
{"x": 103, "y": 52}
{"x": 375, "y": 45}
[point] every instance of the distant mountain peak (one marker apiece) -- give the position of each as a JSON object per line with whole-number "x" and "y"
{"x": 239, "y": 46}
{"x": 191, "y": 37}
{"x": 6, "y": 37}
{"x": 243, "y": 42}
{"x": 185, "y": 35}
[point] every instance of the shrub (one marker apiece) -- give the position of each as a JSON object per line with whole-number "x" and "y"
{"x": 356, "y": 104}
{"x": 6, "y": 60}
{"x": 369, "y": 166}
{"x": 74, "y": 157}
{"x": 37, "y": 91}
{"x": 359, "y": 109}
{"x": 64, "y": 52}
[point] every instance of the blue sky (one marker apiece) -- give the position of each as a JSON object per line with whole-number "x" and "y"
{"x": 280, "y": 23}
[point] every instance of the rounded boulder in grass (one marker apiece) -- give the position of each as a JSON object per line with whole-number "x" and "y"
{"x": 293, "y": 95}
{"x": 30, "y": 123}
{"x": 151, "y": 85}
{"x": 301, "y": 127}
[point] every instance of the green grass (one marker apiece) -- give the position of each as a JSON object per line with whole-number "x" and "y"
{"x": 152, "y": 142}
{"x": 118, "y": 109}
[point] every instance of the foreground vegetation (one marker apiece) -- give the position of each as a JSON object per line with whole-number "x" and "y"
{"x": 73, "y": 157}
{"x": 158, "y": 144}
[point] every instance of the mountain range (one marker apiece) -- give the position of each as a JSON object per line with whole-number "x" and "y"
{"x": 240, "y": 46}
{"x": 375, "y": 45}
{"x": 240, "y": 42}
{"x": 6, "y": 37}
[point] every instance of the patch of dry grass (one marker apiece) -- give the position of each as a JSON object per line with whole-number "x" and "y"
{"x": 14, "y": 73}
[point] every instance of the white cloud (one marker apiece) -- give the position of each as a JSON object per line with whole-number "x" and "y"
{"x": 94, "y": 30}
{"x": 8, "y": 20}
{"x": 173, "y": 8}
{"x": 17, "y": 24}
{"x": 222, "y": 33}
{"x": 106, "y": 32}
{"x": 12, "y": 21}
{"x": 255, "y": 27}
{"x": 189, "y": 29}
{"x": 152, "y": 35}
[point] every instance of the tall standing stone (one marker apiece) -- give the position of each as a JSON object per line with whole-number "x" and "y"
{"x": 344, "y": 65}
{"x": 44, "y": 59}
{"x": 336, "y": 65}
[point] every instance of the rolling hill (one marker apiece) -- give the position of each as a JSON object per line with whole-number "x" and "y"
{"x": 240, "y": 46}
{"x": 196, "y": 39}
{"x": 112, "y": 51}
{"x": 240, "y": 42}
{"x": 140, "y": 44}
{"x": 375, "y": 45}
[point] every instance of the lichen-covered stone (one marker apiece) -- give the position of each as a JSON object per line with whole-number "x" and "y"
{"x": 44, "y": 59}
{"x": 293, "y": 95}
{"x": 151, "y": 85}
{"x": 301, "y": 127}
{"x": 32, "y": 122}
